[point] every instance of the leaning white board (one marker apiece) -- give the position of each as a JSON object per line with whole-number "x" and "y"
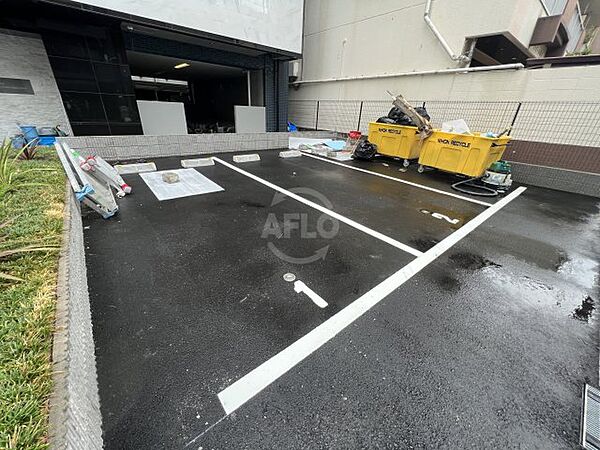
{"x": 249, "y": 119}
{"x": 162, "y": 118}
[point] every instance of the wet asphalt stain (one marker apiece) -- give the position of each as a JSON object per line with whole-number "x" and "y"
{"x": 252, "y": 204}
{"x": 584, "y": 312}
{"x": 448, "y": 283}
{"x": 424, "y": 244}
{"x": 471, "y": 261}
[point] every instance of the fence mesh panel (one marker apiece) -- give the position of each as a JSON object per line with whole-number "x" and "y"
{"x": 339, "y": 115}
{"x": 571, "y": 123}
{"x": 303, "y": 113}
{"x": 480, "y": 116}
{"x": 374, "y": 109}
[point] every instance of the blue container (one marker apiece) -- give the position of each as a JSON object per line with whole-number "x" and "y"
{"x": 18, "y": 142}
{"x": 46, "y": 140}
{"x": 29, "y": 131}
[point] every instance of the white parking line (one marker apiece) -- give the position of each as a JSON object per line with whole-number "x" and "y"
{"x": 399, "y": 180}
{"x": 249, "y": 385}
{"x": 299, "y": 286}
{"x": 352, "y": 223}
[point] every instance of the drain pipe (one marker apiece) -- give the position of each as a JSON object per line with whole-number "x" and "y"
{"x": 512, "y": 66}
{"x": 464, "y": 59}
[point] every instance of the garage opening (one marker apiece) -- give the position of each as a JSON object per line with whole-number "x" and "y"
{"x": 206, "y": 92}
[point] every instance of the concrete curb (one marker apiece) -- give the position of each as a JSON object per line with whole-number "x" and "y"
{"x": 75, "y": 420}
{"x": 577, "y": 182}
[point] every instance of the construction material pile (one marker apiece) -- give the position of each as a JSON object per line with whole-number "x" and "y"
{"x": 92, "y": 180}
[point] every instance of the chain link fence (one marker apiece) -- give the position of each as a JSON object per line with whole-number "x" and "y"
{"x": 570, "y": 123}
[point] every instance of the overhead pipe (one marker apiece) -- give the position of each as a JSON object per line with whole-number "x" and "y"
{"x": 515, "y": 66}
{"x": 464, "y": 59}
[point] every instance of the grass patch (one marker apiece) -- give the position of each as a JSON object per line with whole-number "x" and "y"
{"x": 27, "y": 307}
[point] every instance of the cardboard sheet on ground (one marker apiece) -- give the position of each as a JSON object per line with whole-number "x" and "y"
{"x": 191, "y": 182}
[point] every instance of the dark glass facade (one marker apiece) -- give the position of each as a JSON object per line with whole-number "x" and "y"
{"x": 90, "y": 67}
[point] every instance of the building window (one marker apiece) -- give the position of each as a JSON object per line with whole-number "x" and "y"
{"x": 15, "y": 86}
{"x": 555, "y": 7}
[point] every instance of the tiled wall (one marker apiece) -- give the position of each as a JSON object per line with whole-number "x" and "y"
{"x": 559, "y": 179}
{"x": 120, "y": 148}
{"x": 23, "y": 56}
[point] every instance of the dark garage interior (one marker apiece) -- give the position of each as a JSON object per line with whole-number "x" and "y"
{"x": 208, "y": 91}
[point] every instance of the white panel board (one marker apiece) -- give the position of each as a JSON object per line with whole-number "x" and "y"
{"x": 191, "y": 182}
{"x": 249, "y": 119}
{"x": 272, "y": 23}
{"x": 162, "y": 118}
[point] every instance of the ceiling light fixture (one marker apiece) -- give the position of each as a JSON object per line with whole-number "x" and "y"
{"x": 182, "y": 65}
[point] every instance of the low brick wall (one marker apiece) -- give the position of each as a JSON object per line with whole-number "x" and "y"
{"x": 564, "y": 167}
{"x": 75, "y": 419}
{"x": 119, "y": 148}
{"x": 560, "y": 156}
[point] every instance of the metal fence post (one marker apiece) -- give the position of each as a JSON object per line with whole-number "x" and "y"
{"x": 516, "y": 114}
{"x": 359, "y": 116}
{"x": 317, "y": 117}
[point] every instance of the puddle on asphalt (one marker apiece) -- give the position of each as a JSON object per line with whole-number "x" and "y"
{"x": 580, "y": 270}
{"x": 568, "y": 291}
{"x": 562, "y": 260}
{"x": 584, "y": 312}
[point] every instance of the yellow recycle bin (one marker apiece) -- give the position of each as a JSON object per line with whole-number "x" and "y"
{"x": 464, "y": 154}
{"x": 397, "y": 141}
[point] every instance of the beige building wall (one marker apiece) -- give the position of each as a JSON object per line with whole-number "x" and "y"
{"x": 561, "y": 83}
{"x": 344, "y": 38}
{"x": 353, "y": 38}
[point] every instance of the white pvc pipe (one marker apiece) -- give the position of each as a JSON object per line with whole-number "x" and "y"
{"x": 514, "y": 66}
{"x": 438, "y": 35}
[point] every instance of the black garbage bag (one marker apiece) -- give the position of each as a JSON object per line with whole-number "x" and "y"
{"x": 365, "y": 150}
{"x": 400, "y": 118}
{"x": 422, "y": 112}
{"x": 386, "y": 119}
{"x": 395, "y": 113}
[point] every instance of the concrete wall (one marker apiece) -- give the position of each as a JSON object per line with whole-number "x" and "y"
{"x": 75, "y": 419}
{"x": 276, "y": 24}
{"x": 357, "y": 38}
{"x": 23, "y": 56}
{"x": 558, "y": 179}
{"x": 354, "y": 37}
{"x": 561, "y": 83}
